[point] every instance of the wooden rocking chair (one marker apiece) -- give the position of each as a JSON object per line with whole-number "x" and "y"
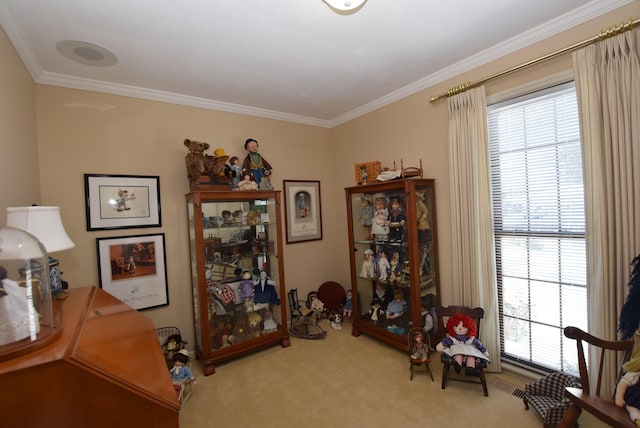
{"x": 602, "y": 407}
{"x": 304, "y": 320}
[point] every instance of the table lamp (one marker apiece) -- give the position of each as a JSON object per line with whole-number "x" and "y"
{"x": 45, "y": 224}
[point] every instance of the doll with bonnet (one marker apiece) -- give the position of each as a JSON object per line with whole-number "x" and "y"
{"x": 462, "y": 345}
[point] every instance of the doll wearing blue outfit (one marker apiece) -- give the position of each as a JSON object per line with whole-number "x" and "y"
{"x": 397, "y": 306}
{"x": 180, "y": 371}
{"x": 366, "y": 216}
{"x": 265, "y": 291}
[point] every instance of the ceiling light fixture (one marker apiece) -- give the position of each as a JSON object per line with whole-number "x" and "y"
{"x": 86, "y": 53}
{"x": 345, "y": 5}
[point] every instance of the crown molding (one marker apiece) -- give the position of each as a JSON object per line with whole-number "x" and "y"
{"x": 562, "y": 23}
{"x": 55, "y": 79}
{"x": 558, "y": 25}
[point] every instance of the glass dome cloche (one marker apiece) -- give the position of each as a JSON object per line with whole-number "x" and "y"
{"x": 26, "y": 310}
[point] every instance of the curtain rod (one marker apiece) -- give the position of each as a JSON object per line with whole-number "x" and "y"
{"x": 611, "y": 31}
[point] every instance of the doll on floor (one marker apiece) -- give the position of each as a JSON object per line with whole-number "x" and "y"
{"x": 180, "y": 371}
{"x": 347, "y": 305}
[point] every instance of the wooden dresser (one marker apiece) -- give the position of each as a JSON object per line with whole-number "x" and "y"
{"x": 105, "y": 370}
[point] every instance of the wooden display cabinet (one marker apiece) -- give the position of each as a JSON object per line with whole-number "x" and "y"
{"x": 408, "y": 240}
{"x": 234, "y": 235}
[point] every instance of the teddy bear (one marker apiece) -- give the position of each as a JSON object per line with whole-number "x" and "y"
{"x": 253, "y": 218}
{"x": 462, "y": 345}
{"x": 198, "y": 163}
{"x": 628, "y": 388}
{"x": 221, "y": 332}
{"x": 241, "y": 329}
{"x": 254, "y": 323}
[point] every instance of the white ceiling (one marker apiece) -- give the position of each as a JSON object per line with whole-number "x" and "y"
{"x": 294, "y": 60}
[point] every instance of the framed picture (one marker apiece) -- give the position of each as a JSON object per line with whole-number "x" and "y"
{"x": 122, "y": 201}
{"x": 302, "y": 210}
{"x": 134, "y": 269}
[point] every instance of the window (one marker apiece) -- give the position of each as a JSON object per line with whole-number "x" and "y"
{"x": 538, "y": 207}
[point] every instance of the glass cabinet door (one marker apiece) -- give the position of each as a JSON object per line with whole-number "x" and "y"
{"x": 236, "y": 266}
{"x": 394, "y": 270}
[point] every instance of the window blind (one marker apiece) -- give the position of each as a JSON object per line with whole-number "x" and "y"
{"x": 538, "y": 207}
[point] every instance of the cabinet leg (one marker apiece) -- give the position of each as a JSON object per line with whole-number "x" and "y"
{"x": 208, "y": 369}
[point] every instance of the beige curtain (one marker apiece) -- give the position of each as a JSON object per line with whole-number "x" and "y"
{"x": 473, "y": 253}
{"x": 607, "y": 76}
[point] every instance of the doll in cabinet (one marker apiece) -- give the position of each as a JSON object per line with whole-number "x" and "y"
{"x": 404, "y": 248}
{"x": 235, "y": 311}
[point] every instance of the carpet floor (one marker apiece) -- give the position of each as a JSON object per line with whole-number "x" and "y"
{"x": 346, "y": 381}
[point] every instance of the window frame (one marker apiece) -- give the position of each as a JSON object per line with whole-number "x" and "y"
{"x": 531, "y": 364}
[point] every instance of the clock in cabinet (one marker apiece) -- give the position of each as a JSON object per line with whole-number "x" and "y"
{"x": 394, "y": 258}
{"x": 237, "y": 273}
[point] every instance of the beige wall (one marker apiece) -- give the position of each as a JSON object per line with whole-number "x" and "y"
{"x": 82, "y": 132}
{"x": 19, "y": 172}
{"x": 413, "y": 128}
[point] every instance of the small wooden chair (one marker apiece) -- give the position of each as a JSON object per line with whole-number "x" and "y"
{"x": 304, "y": 320}
{"x": 602, "y": 407}
{"x": 476, "y": 314}
{"x": 422, "y": 357}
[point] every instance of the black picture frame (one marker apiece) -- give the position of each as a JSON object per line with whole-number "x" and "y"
{"x": 122, "y": 201}
{"x": 303, "y": 210}
{"x": 134, "y": 269}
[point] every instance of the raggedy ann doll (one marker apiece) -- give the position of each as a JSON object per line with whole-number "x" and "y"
{"x": 462, "y": 345}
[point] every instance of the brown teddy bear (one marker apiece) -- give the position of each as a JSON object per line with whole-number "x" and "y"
{"x": 241, "y": 329}
{"x": 198, "y": 163}
{"x": 253, "y": 218}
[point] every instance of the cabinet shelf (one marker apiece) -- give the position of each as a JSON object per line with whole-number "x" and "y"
{"x": 393, "y": 221}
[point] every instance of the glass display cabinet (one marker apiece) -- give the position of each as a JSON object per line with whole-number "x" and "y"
{"x": 237, "y": 273}
{"x": 394, "y": 258}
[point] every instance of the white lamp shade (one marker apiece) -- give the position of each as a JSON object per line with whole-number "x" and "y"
{"x": 44, "y": 223}
{"x": 344, "y": 4}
